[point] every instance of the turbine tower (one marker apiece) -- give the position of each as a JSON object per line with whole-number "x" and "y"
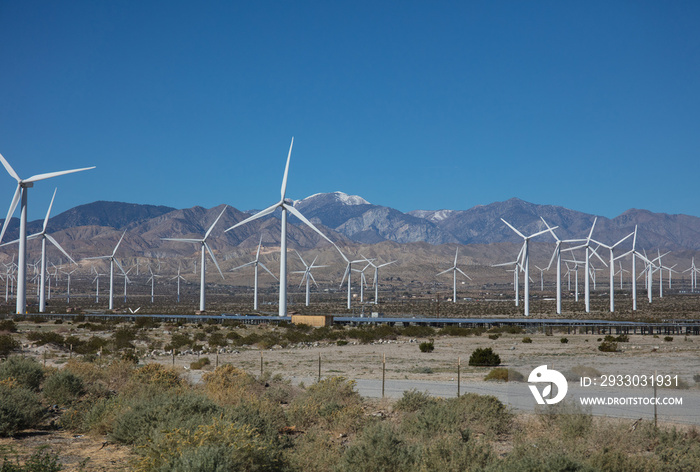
{"x": 587, "y": 270}
{"x": 205, "y": 247}
{"x": 23, "y": 185}
{"x": 454, "y": 270}
{"x": 112, "y": 261}
{"x": 255, "y": 263}
{"x": 43, "y": 236}
{"x": 286, "y": 206}
{"x": 525, "y": 264}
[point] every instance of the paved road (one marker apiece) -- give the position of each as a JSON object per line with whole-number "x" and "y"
{"x": 518, "y": 396}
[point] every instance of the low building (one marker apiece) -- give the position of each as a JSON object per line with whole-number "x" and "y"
{"x": 313, "y": 320}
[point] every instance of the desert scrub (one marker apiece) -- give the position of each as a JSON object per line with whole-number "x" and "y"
{"x": 332, "y": 403}
{"x": 454, "y": 453}
{"x": 427, "y": 346}
{"x": 527, "y": 340}
{"x": 40, "y": 461}
{"x": 504, "y": 375}
{"x": 20, "y": 408}
{"x": 218, "y": 446}
{"x": 26, "y": 372}
{"x": 144, "y": 416}
{"x": 156, "y": 375}
{"x": 607, "y": 346}
{"x": 8, "y": 344}
{"x": 413, "y": 400}
{"x": 62, "y": 388}
{"x": 483, "y": 414}
{"x": 229, "y": 385}
{"x": 379, "y": 448}
{"x": 200, "y": 364}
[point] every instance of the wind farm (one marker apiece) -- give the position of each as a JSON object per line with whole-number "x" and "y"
{"x": 482, "y": 255}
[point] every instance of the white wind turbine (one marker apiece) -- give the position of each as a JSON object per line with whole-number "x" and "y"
{"x": 557, "y": 255}
{"x": 634, "y": 253}
{"x": 612, "y": 267}
{"x": 363, "y": 282}
{"x": 348, "y": 274}
{"x": 178, "y": 277}
{"x": 44, "y": 236}
{"x": 376, "y": 277}
{"x": 112, "y": 261}
{"x": 621, "y": 271}
{"x": 97, "y": 284}
{"x": 255, "y": 263}
{"x": 587, "y": 262}
{"x": 308, "y": 277}
{"x": 22, "y": 186}
{"x": 152, "y": 279}
{"x": 286, "y": 206}
{"x": 126, "y": 281}
{"x": 516, "y": 278}
{"x": 68, "y": 274}
{"x": 205, "y": 247}
{"x": 693, "y": 273}
{"x": 525, "y": 264}
{"x": 454, "y": 269}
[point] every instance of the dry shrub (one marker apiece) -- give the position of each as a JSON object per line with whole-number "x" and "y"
{"x": 229, "y": 385}
{"x": 315, "y": 451}
{"x": 20, "y": 409}
{"x": 27, "y": 372}
{"x": 332, "y": 403}
{"x": 156, "y": 375}
{"x": 221, "y": 445}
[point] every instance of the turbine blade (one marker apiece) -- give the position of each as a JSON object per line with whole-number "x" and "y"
{"x": 623, "y": 239}
{"x": 386, "y": 264}
{"x": 182, "y": 240}
{"x": 214, "y": 259}
{"x": 347, "y": 270}
{"x": 456, "y": 253}
{"x": 55, "y": 243}
{"x": 260, "y": 214}
{"x": 117, "y": 246}
{"x": 217, "y": 220}
{"x": 550, "y": 230}
{"x": 257, "y": 254}
{"x": 38, "y": 177}
{"x": 302, "y": 260}
{"x": 511, "y": 227}
{"x": 122, "y": 269}
{"x": 244, "y": 265}
{"x": 46, "y": 220}
{"x": 541, "y": 232}
{"x": 592, "y": 226}
{"x": 461, "y": 272}
{"x": 286, "y": 172}
{"x": 298, "y": 214}
{"x": 9, "y": 169}
{"x": 312, "y": 279}
{"x": 13, "y": 205}
{"x": 445, "y": 271}
{"x": 268, "y": 270}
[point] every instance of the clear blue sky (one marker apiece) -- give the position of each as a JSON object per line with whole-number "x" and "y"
{"x": 594, "y": 106}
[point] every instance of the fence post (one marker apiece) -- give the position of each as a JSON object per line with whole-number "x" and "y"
{"x": 655, "y": 372}
{"x": 261, "y": 363}
{"x": 459, "y": 375}
{"x": 383, "y": 373}
{"x": 319, "y": 366}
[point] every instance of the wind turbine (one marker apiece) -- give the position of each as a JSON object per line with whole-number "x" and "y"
{"x": 308, "y": 276}
{"x": 23, "y": 185}
{"x": 586, "y": 274}
{"x": 68, "y": 274}
{"x": 516, "y": 278}
{"x": 376, "y": 277}
{"x": 43, "y": 236}
{"x": 621, "y": 272}
{"x": 454, "y": 269}
{"x": 205, "y": 246}
{"x": 178, "y": 277}
{"x": 286, "y": 206}
{"x": 126, "y": 280}
{"x": 97, "y": 285}
{"x": 634, "y": 254}
{"x": 693, "y": 272}
{"x": 612, "y": 267}
{"x": 112, "y": 261}
{"x": 255, "y": 263}
{"x": 152, "y": 279}
{"x": 348, "y": 274}
{"x": 363, "y": 282}
{"x": 557, "y": 255}
{"x": 525, "y": 264}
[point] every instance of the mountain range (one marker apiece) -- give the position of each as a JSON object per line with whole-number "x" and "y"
{"x": 94, "y": 228}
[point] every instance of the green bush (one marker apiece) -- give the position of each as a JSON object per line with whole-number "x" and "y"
{"x": 27, "y": 372}
{"x": 607, "y": 346}
{"x": 8, "y": 344}
{"x": 418, "y": 331}
{"x": 41, "y": 338}
{"x": 62, "y": 388}
{"x": 668, "y": 339}
{"x": 8, "y": 325}
{"x": 332, "y": 402}
{"x": 527, "y": 340}
{"x": 494, "y": 336}
{"x": 564, "y": 340}
{"x": 427, "y": 346}
{"x": 20, "y": 408}
{"x": 484, "y": 357}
